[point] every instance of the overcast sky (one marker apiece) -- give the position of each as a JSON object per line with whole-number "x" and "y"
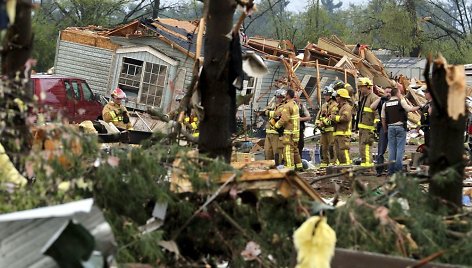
{"x": 299, "y": 5}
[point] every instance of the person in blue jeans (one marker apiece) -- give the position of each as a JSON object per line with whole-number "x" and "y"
{"x": 394, "y": 120}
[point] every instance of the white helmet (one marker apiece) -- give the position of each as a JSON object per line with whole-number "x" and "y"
{"x": 280, "y": 92}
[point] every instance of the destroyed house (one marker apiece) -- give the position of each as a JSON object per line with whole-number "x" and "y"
{"x": 146, "y": 57}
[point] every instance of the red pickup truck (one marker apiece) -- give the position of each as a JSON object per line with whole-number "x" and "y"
{"x": 71, "y": 97}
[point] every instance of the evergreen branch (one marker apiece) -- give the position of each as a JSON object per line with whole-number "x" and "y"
{"x": 209, "y": 200}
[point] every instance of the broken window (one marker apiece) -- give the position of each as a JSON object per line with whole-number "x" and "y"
{"x": 310, "y": 85}
{"x": 130, "y": 77}
{"x": 249, "y": 86}
{"x": 153, "y": 84}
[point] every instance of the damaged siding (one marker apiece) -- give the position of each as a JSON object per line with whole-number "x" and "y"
{"x": 146, "y": 58}
{"x": 183, "y": 60}
{"x": 87, "y": 62}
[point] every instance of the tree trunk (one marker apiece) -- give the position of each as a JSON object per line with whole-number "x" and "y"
{"x": 18, "y": 42}
{"x": 447, "y": 132}
{"x": 215, "y": 88}
{"x": 17, "y": 47}
{"x": 155, "y": 9}
{"x": 411, "y": 8}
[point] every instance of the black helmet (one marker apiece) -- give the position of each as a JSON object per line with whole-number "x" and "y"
{"x": 338, "y": 84}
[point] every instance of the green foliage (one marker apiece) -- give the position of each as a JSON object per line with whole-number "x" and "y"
{"x": 45, "y": 34}
{"x": 415, "y": 231}
{"x": 385, "y": 24}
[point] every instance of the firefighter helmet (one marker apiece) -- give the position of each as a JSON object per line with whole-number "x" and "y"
{"x": 327, "y": 91}
{"x": 280, "y": 93}
{"x": 365, "y": 81}
{"x": 118, "y": 93}
{"x": 343, "y": 93}
{"x": 337, "y": 84}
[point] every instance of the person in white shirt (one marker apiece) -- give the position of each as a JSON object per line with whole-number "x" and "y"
{"x": 394, "y": 122}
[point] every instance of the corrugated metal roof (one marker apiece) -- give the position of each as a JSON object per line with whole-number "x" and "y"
{"x": 23, "y": 235}
{"x": 403, "y": 62}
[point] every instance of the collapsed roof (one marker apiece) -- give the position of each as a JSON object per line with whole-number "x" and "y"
{"x": 328, "y": 52}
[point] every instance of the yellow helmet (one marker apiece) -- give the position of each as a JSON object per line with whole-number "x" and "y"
{"x": 343, "y": 93}
{"x": 365, "y": 81}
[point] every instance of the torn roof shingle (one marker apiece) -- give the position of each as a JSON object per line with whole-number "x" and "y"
{"x": 175, "y": 34}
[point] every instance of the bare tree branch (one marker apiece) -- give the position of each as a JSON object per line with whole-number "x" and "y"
{"x": 132, "y": 12}
{"x": 65, "y": 12}
{"x": 259, "y": 15}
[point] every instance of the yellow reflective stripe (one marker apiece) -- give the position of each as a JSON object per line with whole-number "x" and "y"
{"x": 329, "y": 129}
{"x": 271, "y": 113}
{"x": 368, "y": 109}
{"x": 294, "y": 117}
{"x": 363, "y": 126}
{"x": 376, "y": 120}
{"x": 288, "y": 132}
{"x": 277, "y": 125}
{"x": 346, "y": 154}
{"x": 288, "y": 156}
{"x": 342, "y": 133}
{"x": 194, "y": 125}
{"x": 337, "y": 118}
{"x": 114, "y": 117}
{"x": 367, "y": 153}
{"x": 271, "y": 131}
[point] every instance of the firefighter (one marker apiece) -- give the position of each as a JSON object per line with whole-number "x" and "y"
{"x": 273, "y": 147}
{"x": 115, "y": 112}
{"x": 290, "y": 121}
{"x": 191, "y": 122}
{"x": 326, "y": 127}
{"x": 342, "y": 130}
{"x": 365, "y": 121}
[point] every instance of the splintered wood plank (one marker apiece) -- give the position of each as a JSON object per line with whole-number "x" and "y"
{"x": 254, "y": 164}
{"x": 305, "y": 187}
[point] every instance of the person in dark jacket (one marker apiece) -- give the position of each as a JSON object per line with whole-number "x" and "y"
{"x": 304, "y": 117}
{"x": 383, "y": 138}
{"x": 394, "y": 120}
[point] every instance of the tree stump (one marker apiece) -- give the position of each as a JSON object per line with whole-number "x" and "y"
{"x": 448, "y": 118}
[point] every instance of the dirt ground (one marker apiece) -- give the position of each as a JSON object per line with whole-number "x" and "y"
{"x": 369, "y": 179}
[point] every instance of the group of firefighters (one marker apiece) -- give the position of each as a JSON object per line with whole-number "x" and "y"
{"x": 337, "y": 117}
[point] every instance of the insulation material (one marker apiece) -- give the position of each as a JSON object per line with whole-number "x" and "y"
{"x": 455, "y": 78}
